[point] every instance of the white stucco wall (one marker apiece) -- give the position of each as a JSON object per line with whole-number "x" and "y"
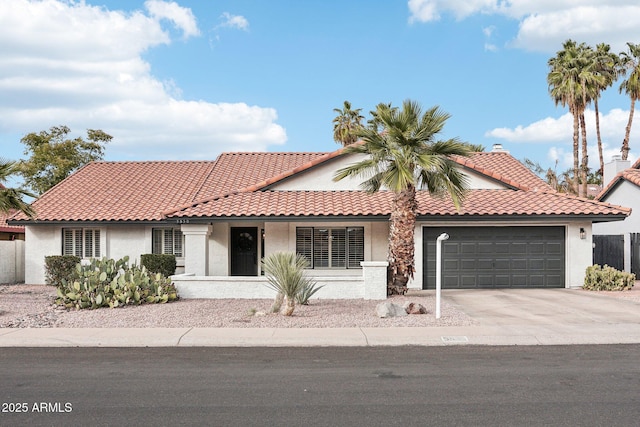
{"x": 40, "y": 241}
{"x": 628, "y": 195}
{"x": 127, "y": 240}
{"x": 116, "y": 241}
{"x": 11, "y": 261}
{"x": 320, "y": 178}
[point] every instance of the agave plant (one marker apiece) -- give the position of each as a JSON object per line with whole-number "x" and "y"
{"x": 285, "y": 275}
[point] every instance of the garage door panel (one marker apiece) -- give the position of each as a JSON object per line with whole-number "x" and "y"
{"x": 468, "y": 248}
{"x": 502, "y": 248}
{"x": 491, "y": 257}
{"x": 536, "y": 248}
{"x": 518, "y": 248}
{"x": 518, "y": 264}
{"x": 484, "y": 264}
{"x": 536, "y": 264}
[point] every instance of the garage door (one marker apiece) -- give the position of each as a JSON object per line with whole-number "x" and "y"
{"x": 496, "y": 257}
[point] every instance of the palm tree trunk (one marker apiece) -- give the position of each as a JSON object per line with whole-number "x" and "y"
{"x": 585, "y": 157}
{"x": 600, "y": 156}
{"x": 401, "y": 240}
{"x": 576, "y": 146}
{"x": 625, "y": 142}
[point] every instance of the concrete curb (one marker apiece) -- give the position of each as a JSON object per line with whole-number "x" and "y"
{"x": 330, "y": 337}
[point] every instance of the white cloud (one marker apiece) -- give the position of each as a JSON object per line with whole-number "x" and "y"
{"x": 560, "y": 130}
{"x": 181, "y": 17}
{"x": 80, "y": 65}
{"x": 234, "y": 21}
{"x": 545, "y": 24}
{"x": 429, "y": 10}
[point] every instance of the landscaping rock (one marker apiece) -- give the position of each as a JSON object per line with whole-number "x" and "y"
{"x": 414, "y": 308}
{"x": 389, "y": 309}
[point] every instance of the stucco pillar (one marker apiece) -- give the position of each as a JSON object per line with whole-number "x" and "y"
{"x": 375, "y": 279}
{"x": 196, "y": 248}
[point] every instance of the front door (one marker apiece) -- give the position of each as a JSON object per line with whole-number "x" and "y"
{"x": 244, "y": 251}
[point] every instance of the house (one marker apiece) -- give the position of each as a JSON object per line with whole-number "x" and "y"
{"x": 10, "y": 232}
{"x": 12, "y": 250}
{"x": 618, "y": 244}
{"x": 221, "y": 217}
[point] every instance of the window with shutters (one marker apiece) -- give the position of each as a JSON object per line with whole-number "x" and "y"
{"x": 82, "y": 242}
{"x": 167, "y": 241}
{"x": 331, "y": 247}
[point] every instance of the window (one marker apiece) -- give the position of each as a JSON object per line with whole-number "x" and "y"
{"x": 331, "y": 247}
{"x": 167, "y": 241}
{"x": 82, "y": 242}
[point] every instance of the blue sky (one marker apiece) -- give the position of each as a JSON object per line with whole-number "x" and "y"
{"x": 190, "y": 79}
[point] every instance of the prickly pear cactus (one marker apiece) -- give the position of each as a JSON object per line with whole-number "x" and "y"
{"x": 113, "y": 283}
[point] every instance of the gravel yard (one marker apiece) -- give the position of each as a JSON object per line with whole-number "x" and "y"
{"x": 31, "y": 306}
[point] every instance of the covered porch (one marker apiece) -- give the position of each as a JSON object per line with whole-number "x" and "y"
{"x": 222, "y": 259}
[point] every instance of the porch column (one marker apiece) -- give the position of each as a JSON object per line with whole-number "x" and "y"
{"x": 196, "y": 248}
{"x": 375, "y": 279}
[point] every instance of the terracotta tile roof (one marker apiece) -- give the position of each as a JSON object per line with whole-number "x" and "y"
{"x": 6, "y": 228}
{"x": 503, "y": 167}
{"x": 122, "y": 191}
{"x": 631, "y": 175}
{"x": 142, "y": 191}
{"x": 357, "y": 203}
{"x": 230, "y": 186}
{"x": 235, "y": 171}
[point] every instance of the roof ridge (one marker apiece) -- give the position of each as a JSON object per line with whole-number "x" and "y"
{"x": 326, "y": 156}
{"x": 238, "y": 153}
{"x": 616, "y": 179}
{"x": 466, "y": 161}
{"x": 205, "y": 179}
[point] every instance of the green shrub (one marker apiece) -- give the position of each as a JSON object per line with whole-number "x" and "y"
{"x": 164, "y": 264}
{"x": 59, "y": 267}
{"x": 110, "y": 283}
{"x": 607, "y": 279}
{"x": 306, "y": 292}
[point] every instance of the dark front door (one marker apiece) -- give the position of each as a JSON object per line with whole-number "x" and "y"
{"x": 244, "y": 251}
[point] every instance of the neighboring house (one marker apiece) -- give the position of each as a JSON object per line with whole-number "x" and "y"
{"x": 10, "y": 232}
{"x": 221, "y": 217}
{"x": 618, "y": 244}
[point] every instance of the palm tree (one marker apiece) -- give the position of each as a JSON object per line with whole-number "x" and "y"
{"x": 606, "y": 64}
{"x": 572, "y": 82}
{"x": 631, "y": 86}
{"x": 403, "y": 157}
{"x": 564, "y": 88}
{"x": 11, "y": 198}
{"x": 347, "y": 124}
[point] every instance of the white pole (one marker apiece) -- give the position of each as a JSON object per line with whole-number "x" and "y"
{"x": 443, "y": 236}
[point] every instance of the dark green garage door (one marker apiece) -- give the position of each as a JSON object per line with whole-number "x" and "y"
{"x": 496, "y": 257}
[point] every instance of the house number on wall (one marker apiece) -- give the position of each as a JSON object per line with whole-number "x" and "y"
{"x": 182, "y": 221}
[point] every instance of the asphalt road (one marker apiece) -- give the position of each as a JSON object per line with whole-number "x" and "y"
{"x": 458, "y": 385}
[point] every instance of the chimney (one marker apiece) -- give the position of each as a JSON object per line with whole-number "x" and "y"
{"x": 615, "y": 166}
{"x": 497, "y": 148}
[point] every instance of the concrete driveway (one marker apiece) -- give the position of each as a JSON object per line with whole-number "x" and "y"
{"x": 543, "y": 307}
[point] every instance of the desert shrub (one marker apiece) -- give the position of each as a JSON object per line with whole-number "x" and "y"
{"x": 59, "y": 267}
{"x": 285, "y": 275}
{"x": 607, "y": 278}
{"x": 109, "y": 283}
{"x": 164, "y": 264}
{"x": 306, "y": 292}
